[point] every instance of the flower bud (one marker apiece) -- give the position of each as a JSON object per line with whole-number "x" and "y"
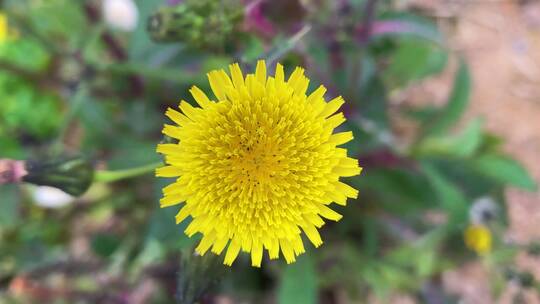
{"x": 49, "y": 197}
{"x": 11, "y": 171}
{"x": 483, "y": 211}
{"x": 201, "y": 24}
{"x": 73, "y": 175}
{"x": 197, "y": 275}
{"x": 121, "y": 14}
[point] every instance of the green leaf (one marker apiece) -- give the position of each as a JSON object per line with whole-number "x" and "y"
{"x": 449, "y": 195}
{"x": 462, "y": 145}
{"x": 421, "y": 254}
{"x": 9, "y": 199}
{"x": 414, "y": 60}
{"x": 422, "y": 114}
{"x": 105, "y": 244}
{"x": 408, "y": 190}
{"x": 456, "y": 105}
{"x": 505, "y": 170}
{"x": 254, "y": 49}
{"x": 11, "y": 148}
{"x": 299, "y": 282}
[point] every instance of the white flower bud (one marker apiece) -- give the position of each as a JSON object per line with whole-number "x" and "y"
{"x": 121, "y": 14}
{"x": 483, "y": 210}
{"x": 49, "y": 197}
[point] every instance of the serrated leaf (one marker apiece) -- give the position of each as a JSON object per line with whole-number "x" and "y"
{"x": 299, "y": 282}
{"x": 505, "y": 170}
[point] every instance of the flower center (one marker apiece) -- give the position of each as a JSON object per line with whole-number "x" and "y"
{"x": 256, "y": 158}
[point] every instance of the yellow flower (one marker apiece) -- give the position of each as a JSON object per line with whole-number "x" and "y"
{"x": 4, "y": 29}
{"x": 478, "y": 238}
{"x": 258, "y": 164}
{"x": 6, "y": 33}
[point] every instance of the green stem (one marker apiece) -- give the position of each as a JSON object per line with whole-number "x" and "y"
{"x": 113, "y": 176}
{"x": 288, "y": 45}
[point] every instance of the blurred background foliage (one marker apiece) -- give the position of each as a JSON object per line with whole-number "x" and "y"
{"x": 93, "y": 78}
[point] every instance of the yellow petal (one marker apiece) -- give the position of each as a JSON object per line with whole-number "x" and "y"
{"x": 217, "y": 85}
{"x": 232, "y": 252}
{"x": 256, "y": 254}
{"x": 168, "y": 171}
{"x": 329, "y": 213}
{"x": 332, "y": 106}
{"x": 237, "y": 76}
{"x": 346, "y": 189}
{"x": 179, "y": 118}
{"x": 280, "y": 75}
{"x": 341, "y": 138}
{"x": 260, "y": 72}
{"x": 287, "y": 250}
{"x": 205, "y": 243}
{"x": 313, "y": 235}
{"x": 200, "y": 97}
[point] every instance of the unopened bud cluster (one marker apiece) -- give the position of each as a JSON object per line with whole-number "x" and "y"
{"x": 201, "y": 24}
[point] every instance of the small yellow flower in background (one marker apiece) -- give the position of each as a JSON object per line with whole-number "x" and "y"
{"x": 4, "y": 29}
{"x": 6, "y": 33}
{"x": 259, "y": 165}
{"x": 478, "y": 238}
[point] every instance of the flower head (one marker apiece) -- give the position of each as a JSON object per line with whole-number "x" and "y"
{"x": 478, "y": 238}
{"x": 258, "y": 165}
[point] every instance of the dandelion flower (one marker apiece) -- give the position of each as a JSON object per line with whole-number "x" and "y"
{"x": 478, "y": 239}
{"x": 258, "y": 165}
